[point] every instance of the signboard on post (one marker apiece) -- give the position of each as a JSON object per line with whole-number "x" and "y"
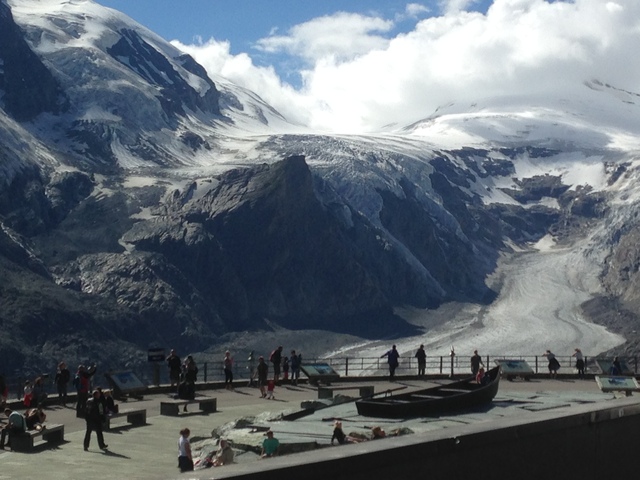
{"x": 155, "y": 355}
{"x": 319, "y": 372}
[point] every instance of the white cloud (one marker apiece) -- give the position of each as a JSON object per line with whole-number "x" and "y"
{"x": 341, "y": 36}
{"x": 356, "y": 79}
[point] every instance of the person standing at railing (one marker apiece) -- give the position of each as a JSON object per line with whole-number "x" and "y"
{"x": 554, "y": 365}
{"x": 228, "y": 370}
{"x": 422, "y": 360}
{"x": 62, "y": 378}
{"x": 392, "y": 359}
{"x": 579, "y": 362}
{"x": 476, "y": 362}
{"x": 276, "y": 359}
{"x": 294, "y": 364}
{"x": 251, "y": 366}
{"x": 175, "y": 369}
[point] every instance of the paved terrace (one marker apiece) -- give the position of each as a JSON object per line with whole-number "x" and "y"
{"x": 150, "y": 451}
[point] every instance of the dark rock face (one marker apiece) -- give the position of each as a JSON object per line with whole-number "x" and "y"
{"x": 29, "y": 88}
{"x": 262, "y": 245}
{"x": 133, "y": 52}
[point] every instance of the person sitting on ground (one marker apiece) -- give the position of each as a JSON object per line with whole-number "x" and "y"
{"x": 340, "y": 437}
{"x": 270, "y": 446}
{"x": 377, "y": 433}
{"x": 224, "y": 454}
{"x": 17, "y": 426}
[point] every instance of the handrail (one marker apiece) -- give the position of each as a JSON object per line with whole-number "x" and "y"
{"x": 345, "y": 366}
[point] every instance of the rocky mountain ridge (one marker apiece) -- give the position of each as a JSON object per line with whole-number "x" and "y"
{"x": 136, "y": 209}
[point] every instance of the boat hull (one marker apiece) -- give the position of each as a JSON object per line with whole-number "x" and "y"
{"x": 461, "y": 395}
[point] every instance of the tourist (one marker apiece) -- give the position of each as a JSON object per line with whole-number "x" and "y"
{"x": 276, "y": 359}
{"x": 294, "y": 364}
{"x": 392, "y": 359}
{"x": 480, "y": 375}
{"x": 340, "y": 437}
{"x": 579, "y": 362}
{"x": 94, "y": 418}
{"x": 377, "y": 433}
{"x": 175, "y": 368}
{"x": 35, "y": 418}
{"x": 17, "y": 425}
{"x": 285, "y": 368}
{"x": 27, "y": 393}
{"x": 4, "y": 391}
{"x": 62, "y": 378}
{"x": 270, "y": 446}
{"x": 82, "y": 382}
{"x": 271, "y": 386}
{"x": 110, "y": 406}
{"x": 228, "y": 370}
{"x": 422, "y": 360}
{"x": 616, "y": 368}
{"x": 224, "y": 454}
{"x": 554, "y": 365}
{"x": 263, "y": 372}
{"x": 185, "y": 460}
{"x": 476, "y": 362}
{"x": 251, "y": 366}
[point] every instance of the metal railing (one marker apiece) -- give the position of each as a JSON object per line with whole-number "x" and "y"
{"x": 157, "y": 373}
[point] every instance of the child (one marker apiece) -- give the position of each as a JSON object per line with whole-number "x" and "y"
{"x": 480, "y": 375}
{"x": 285, "y": 368}
{"x": 271, "y": 385}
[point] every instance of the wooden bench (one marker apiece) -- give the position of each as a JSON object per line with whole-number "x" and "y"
{"x": 172, "y": 407}
{"x": 134, "y": 417}
{"x": 26, "y": 440}
{"x": 327, "y": 391}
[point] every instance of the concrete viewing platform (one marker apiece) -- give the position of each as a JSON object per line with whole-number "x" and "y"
{"x": 149, "y": 451}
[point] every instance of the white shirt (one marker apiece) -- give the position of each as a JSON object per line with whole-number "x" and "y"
{"x": 183, "y": 442}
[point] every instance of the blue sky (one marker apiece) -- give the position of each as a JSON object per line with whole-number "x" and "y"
{"x": 243, "y": 22}
{"x": 358, "y": 65}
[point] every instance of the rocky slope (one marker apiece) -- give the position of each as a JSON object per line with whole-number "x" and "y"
{"x": 142, "y": 204}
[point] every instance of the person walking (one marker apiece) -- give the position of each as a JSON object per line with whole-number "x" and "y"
{"x": 392, "y": 359}
{"x": 228, "y": 370}
{"x": 476, "y": 363}
{"x": 422, "y": 360}
{"x": 94, "y": 419}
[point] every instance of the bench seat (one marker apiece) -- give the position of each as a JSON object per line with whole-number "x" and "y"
{"x": 172, "y": 407}
{"x": 25, "y": 442}
{"x": 327, "y": 391}
{"x": 134, "y": 417}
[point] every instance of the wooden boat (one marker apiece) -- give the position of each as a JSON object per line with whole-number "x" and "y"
{"x": 459, "y": 395}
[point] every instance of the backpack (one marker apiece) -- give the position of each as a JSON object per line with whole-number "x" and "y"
{"x": 272, "y": 355}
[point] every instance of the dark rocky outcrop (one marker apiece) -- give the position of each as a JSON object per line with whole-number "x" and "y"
{"x": 28, "y": 86}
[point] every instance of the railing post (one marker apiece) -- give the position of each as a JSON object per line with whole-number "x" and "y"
{"x": 441, "y": 362}
{"x": 536, "y": 363}
{"x": 205, "y": 372}
{"x": 346, "y": 367}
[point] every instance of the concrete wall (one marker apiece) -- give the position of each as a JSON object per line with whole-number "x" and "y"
{"x": 588, "y": 442}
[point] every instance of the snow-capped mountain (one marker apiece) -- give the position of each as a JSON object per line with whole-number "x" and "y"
{"x": 147, "y": 200}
